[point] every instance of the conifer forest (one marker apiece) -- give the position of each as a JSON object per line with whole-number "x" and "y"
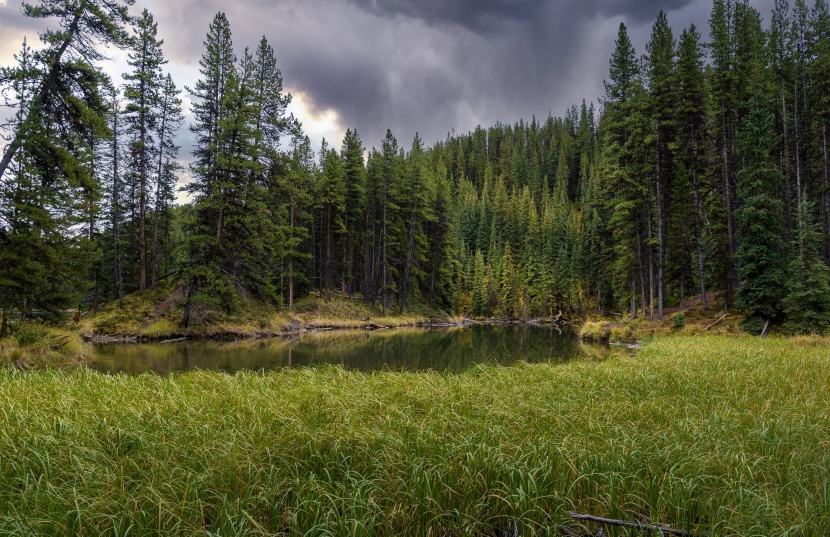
{"x": 702, "y": 171}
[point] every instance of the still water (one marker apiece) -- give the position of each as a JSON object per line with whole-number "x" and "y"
{"x": 399, "y": 349}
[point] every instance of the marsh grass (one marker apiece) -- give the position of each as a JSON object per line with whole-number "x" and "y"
{"x": 729, "y": 436}
{"x": 35, "y": 344}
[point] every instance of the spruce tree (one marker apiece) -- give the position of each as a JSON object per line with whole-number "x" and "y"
{"x": 691, "y": 135}
{"x": 142, "y": 95}
{"x": 663, "y": 97}
{"x": 807, "y": 303}
{"x": 355, "y": 202}
{"x": 760, "y": 218}
{"x": 170, "y": 119}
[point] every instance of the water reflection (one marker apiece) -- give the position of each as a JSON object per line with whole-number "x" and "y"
{"x": 400, "y": 349}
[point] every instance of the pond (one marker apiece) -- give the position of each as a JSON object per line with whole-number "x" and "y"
{"x": 452, "y": 349}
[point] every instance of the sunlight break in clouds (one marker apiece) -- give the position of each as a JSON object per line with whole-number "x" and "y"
{"x": 317, "y": 124}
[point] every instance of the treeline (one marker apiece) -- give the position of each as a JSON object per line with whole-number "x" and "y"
{"x": 705, "y": 170}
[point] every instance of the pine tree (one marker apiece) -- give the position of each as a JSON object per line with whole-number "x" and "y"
{"x": 662, "y": 83}
{"x": 760, "y": 219}
{"x": 724, "y": 107}
{"x": 294, "y": 188}
{"x": 355, "y": 205}
{"x": 691, "y": 134}
{"x": 169, "y": 121}
{"x": 331, "y": 204}
{"x": 623, "y": 193}
{"x": 216, "y": 66}
{"x": 417, "y": 212}
{"x": 49, "y": 190}
{"x": 819, "y": 70}
{"x": 807, "y": 303}
{"x": 142, "y": 95}
{"x": 228, "y": 251}
{"x": 66, "y": 62}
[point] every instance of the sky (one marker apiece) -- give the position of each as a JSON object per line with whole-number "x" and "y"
{"x": 426, "y": 66}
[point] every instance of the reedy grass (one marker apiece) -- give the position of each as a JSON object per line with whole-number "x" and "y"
{"x": 50, "y": 346}
{"x": 725, "y": 435}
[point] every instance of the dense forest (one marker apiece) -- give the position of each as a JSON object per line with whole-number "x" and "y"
{"x": 703, "y": 171}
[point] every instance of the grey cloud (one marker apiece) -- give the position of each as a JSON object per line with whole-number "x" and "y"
{"x": 430, "y": 66}
{"x": 12, "y": 17}
{"x": 490, "y": 15}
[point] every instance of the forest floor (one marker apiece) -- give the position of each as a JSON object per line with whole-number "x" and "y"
{"x": 713, "y": 434}
{"x": 691, "y": 319}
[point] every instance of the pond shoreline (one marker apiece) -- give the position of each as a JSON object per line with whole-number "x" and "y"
{"x": 405, "y": 348}
{"x": 295, "y": 329}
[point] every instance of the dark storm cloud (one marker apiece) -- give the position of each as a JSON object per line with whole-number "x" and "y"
{"x": 489, "y": 15}
{"x": 430, "y": 66}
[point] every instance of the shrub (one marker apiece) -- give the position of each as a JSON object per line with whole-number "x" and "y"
{"x": 30, "y": 333}
{"x": 594, "y": 331}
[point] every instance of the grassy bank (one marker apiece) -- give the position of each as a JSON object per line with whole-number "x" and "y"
{"x": 157, "y": 314}
{"x": 37, "y": 345}
{"x": 692, "y": 322}
{"x": 720, "y": 434}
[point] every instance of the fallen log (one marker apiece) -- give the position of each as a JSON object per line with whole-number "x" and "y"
{"x": 651, "y": 528}
{"x": 716, "y": 322}
{"x": 21, "y": 365}
{"x": 172, "y": 340}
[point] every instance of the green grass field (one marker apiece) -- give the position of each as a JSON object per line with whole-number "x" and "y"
{"x": 723, "y": 435}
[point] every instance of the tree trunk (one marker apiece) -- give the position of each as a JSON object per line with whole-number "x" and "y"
{"x": 159, "y": 172}
{"x": 327, "y": 268}
{"x": 798, "y": 184}
{"x": 91, "y": 201}
{"x": 825, "y": 191}
{"x": 291, "y": 264}
{"x": 116, "y": 217}
{"x": 156, "y": 235}
{"x": 788, "y": 216}
{"x": 698, "y": 231}
{"x": 383, "y": 248}
{"x": 142, "y": 201}
{"x": 661, "y": 248}
{"x": 409, "y": 249}
{"x": 650, "y": 253}
{"x": 731, "y": 286}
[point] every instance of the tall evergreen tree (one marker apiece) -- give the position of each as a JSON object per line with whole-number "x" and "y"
{"x": 691, "y": 134}
{"x": 142, "y": 95}
{"x": 64, "y": 65}
{"x": 760, "y": 219}
{"x": 355, "y": 202}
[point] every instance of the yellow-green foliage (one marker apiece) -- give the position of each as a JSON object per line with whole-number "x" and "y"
{"x": 36, "y": 344}
{"x": 717, "y": 435}
{"x": 157, "y": 314}
{"x": 339, "y": 312}
{"x": 140, "y": 309}
{"x": 160, "y": 329}
{"x": 621, "y": 332}
{"x": 595, "y": 331}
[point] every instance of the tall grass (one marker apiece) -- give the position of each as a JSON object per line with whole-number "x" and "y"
{"x": 724, "y": 435}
